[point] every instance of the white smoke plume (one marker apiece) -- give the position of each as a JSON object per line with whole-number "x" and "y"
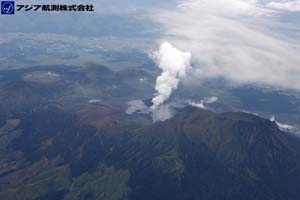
{"x": 283, "y": 127}
{"x": 174, "y": 64}
{"x": 196, "y": 104}
{"x": 202, "y": 104}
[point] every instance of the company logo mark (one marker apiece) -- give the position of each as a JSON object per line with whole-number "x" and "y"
{"x": 7, "y": 7}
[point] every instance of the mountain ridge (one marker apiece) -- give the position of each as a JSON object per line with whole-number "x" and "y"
{"x": 197, "y": 154}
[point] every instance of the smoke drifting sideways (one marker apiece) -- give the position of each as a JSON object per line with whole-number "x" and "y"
{"x": 167, "y": 110}
{"x": 293, "y": 129}
{"x": 202, "y": 104}
{"x": 174, "y": 65}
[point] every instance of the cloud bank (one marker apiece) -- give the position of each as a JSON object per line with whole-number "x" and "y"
{"x": 241, "y": 41}
{"x": 292, "y": 6}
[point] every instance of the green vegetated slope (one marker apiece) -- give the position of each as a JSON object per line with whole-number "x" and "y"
{"x": 196, "y": 155}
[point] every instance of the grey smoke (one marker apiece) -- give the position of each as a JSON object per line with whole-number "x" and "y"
{"x": 163, "y": 113}
{"x": 137, "y": 106}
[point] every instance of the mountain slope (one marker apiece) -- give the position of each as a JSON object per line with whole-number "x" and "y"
{"x": 203, "y": 155}
{"x": 195, "y": 155}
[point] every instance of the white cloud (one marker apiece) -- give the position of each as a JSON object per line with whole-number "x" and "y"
{"x": 292, "y": 6}
{"x": 235, "y": 40}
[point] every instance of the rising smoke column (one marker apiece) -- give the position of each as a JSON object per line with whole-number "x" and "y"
{"x": 174, "y": 64}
